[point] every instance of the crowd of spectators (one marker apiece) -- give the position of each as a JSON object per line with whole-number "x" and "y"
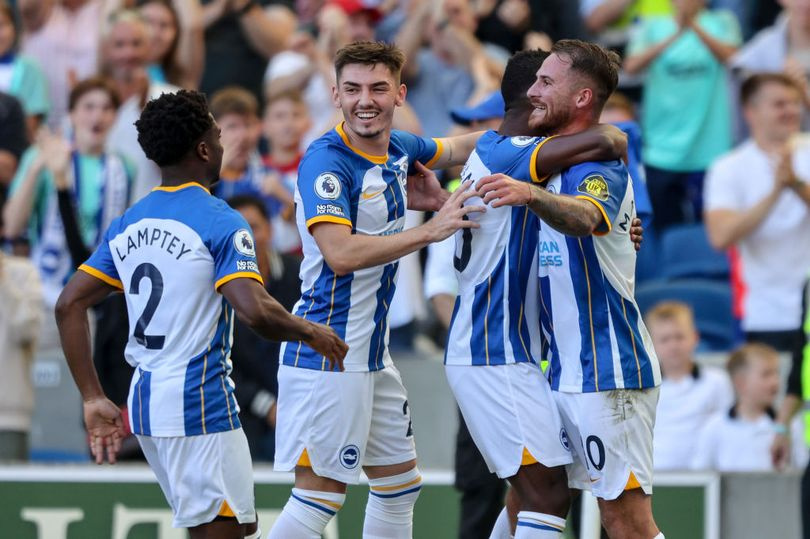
{"x": 719, "y": 89}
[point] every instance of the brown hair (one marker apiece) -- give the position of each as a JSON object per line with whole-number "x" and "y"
{"x": 233, "y": 100}
{"x": 171, "y": 64}
{"x": 753, "y": 84}
{"x": 93, "y": 83}
{"x": 670, "y": 310}
{"x": 741, "y": 358}
{"x": 618, "y": 100}
{"x": 594, "y": 62}
{"x": 370, "y": 53}
{"x": 291, "y": 95}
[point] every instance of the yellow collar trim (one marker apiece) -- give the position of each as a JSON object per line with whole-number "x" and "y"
{"x": 174, "y": 188}
{"x": 376, "y": 159}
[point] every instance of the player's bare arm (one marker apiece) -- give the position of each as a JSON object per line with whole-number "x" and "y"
{"x": 599, "y": 143}
{"x": 456, "y": 150}
{"x": 346, "y": 252}
{"x": 101, "y": 416}
{"x": 259, "y": 310}
{"x": 569, "y": 215}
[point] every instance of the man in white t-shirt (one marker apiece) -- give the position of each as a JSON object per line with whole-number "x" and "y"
{"x": 757, "y": 198}
{"x": 690, "y": 394}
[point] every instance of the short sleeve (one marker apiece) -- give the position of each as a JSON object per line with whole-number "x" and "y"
{"x": 604, "y": 187}
{"x": 33, "y": 88}
{"x": 425, "y": 150}
{"x": 728, "y": 28}
{"x": 324, "y": 187}
{"x": 101, "y": 264}
{"x": 518, "y": 157}
{"x": 721, "y": 190}
{"x": 233, "y": 250}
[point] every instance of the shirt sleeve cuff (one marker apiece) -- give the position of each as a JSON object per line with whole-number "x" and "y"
{"x": 98, "y": 274}
{"x": 238, "y": 275}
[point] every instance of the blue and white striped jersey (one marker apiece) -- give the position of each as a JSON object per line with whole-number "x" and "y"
{"x": 169, "y": 253}
{"x": 338, "y": 183}
{"x": 496, "y": 316}
{"x": 595, "y": 333}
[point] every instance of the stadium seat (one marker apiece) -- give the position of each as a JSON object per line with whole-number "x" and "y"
{"x": 686, "y": 252}
{"x": 710, "y": 300}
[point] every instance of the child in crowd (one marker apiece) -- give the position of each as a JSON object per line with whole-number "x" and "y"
{"x": 286, "y": 121}
{"x": 243, "y": 172}
{"x": 237, "y": 113}
{"x": 80, "y": 171}
{"x": 690, "y": 394}
{"x": 739, "y": 440}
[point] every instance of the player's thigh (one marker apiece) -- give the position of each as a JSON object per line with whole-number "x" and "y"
{"x": 511, "y": 415}
{"x": 615, "y": 433}
{"x": 204, "y": 476}
{"x": 323, "y": 422}
{"x": 390, "y": 437}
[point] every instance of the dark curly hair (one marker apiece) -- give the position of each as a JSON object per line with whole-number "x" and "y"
{"x": 519, "y": 75}
{"x": 171, "y": 125}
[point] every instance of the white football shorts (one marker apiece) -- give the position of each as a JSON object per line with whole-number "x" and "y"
{"x": 203, "y": 476}
{"x": 344, "y": 421}
{"x": 509, "y": 410}
{"x": 611, "y": 436}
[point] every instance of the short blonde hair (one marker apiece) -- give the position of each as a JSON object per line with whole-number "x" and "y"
{"x": 670, "y": 310}
{"x": 742, "y": 357}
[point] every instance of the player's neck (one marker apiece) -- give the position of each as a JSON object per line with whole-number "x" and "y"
{"x": 577, "y": 125}
{"x": 377, "y": 145}
{"x": 768, "y": 144}
{"x": 284, "y": 156}
{"x": 676, "y": 374}
{"x": 515, "y": 125}
{"x": 85, "y": 148}
{"x": 749, "y": 411}
{"x": 172, "y": 176}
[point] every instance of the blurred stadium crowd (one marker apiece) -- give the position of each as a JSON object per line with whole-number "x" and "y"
{"x": 713, "y": 96}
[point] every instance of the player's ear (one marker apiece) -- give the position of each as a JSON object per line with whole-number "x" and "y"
{"x": 584, "y": 98}
{"x": 203, "y": 151}
{"x": 335, "y": 97}
{"x": 402, "y": 91}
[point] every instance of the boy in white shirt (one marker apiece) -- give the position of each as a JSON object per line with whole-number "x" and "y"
{"x": 740, "y": 440}
{"x": 690, "y": 394}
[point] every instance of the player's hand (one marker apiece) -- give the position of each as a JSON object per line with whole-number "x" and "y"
{"x": 500, "y": 190}
{"x": 425, "y": 193}
{"x": 326, "y": 342}
{"x": 105, "y": 428}
{"x": 780, "y": 451}
{"x": 636, "y": 233}
{"x": 453, "y": 214}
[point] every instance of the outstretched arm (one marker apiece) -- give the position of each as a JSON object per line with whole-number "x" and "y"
{"x": 256, "y": 308}
{"x": 101, "y": 416}
{"x": 456, "y": 150}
